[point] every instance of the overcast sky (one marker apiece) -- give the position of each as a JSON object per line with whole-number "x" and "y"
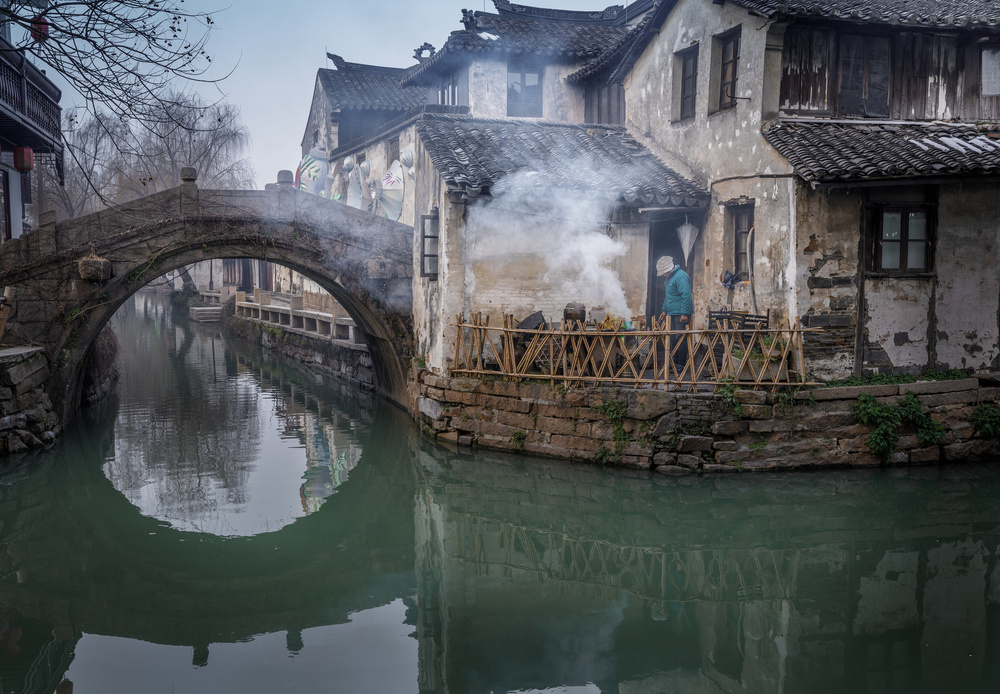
{"x": 275, "y": 48}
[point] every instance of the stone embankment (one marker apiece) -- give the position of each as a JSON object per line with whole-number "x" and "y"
{"x": 709, "y": 432}
{"x": 26, "y": 417}
{"x": 319, "y": 353}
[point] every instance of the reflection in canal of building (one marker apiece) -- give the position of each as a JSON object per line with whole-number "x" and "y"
{"x": 380, "y": 562}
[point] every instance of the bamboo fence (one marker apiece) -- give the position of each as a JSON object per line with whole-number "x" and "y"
{"x": 610, "y": 353}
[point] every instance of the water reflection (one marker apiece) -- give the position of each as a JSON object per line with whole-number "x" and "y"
{"x": 207, "y": 440}
{"x": 415, "y": 568}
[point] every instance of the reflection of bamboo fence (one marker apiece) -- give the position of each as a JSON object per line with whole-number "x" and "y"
{"x": 608, "y": 353}
{"x": 488, "y": 545}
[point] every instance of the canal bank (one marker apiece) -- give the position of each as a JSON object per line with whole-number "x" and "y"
{"x": 726, "y": 431}
{"x": 730, "y": 430}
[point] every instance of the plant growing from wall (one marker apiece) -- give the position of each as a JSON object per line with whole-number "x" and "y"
{"x": 986, "y": 420}
{"x": 517, "y": 440}
{"x": 727, "y": 389}
{"x": 615, "y": 411}
{"x": 886, "y": 420}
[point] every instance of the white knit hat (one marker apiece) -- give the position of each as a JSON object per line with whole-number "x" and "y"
{"x": 664, "y": 265}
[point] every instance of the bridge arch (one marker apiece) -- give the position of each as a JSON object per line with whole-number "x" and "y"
{"x": 364, "y": 261}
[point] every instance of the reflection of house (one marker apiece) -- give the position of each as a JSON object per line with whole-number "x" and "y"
{"x": 637, "y": 595}
{"x": 845, "y": 154}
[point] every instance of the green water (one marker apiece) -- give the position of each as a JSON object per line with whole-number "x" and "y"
{"x": 229, "y": 523}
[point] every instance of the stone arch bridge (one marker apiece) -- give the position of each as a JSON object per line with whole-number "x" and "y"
{"x": 364, "y": 261}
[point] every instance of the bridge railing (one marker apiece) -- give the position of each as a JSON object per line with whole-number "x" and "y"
{"x": 614, "y": 353}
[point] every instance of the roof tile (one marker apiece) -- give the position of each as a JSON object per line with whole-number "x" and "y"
{"x": 477, "y": 153}
{"x": 928, "y": 13}
{"x": 841, "y": 152}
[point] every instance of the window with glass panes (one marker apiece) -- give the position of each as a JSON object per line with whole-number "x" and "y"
{"x": 429, "y": 244}
{"x": 687, "y": 63}
{"x": 742, "y": 226}
{"x": 729, "y": 66}
{"x": 524, "y": 90}
{"x": 902, "y": 239}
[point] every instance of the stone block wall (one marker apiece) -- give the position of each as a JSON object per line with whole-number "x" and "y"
{"x": 26, "y": 417}
{"x": 320, "y": 354}
{"x": 687, "y": 432}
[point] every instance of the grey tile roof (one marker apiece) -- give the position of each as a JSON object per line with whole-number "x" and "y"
{"x": 567, "y": 41}
{"x": 624, "y": 51}
{"x": 927, "y": 13}
{"x": 605, "y": 160}
{"x": 353, "y": 86}
{"x": 842, "y": 152}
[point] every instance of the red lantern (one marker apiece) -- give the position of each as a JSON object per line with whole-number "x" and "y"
{"x": 39, "y": 28}
{"x": 24, "y": 159}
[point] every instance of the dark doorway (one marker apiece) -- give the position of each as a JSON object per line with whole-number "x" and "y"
{"x": 662, "y": 241}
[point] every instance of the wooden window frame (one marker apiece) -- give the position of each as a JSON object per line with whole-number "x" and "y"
{"x": 525, "y": 107}
{"x": 687, "y": 90}
{"x": 875, "y": 213}
{"x": 743, "y": 221}
{"x": 866, "y": 39}
{"x": 430, "y": 228}
{"x": 727, "y": 88}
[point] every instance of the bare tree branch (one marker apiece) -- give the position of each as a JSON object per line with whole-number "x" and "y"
{"x": 122, "y": 56}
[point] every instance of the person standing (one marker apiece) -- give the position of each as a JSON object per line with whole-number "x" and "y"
{"x": 678, "y": 304}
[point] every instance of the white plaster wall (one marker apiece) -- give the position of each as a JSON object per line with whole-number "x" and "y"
{"x": 723, "y": 144}
{"x": 488, "y": 87}
{"x": 561, "y": 101}
{"x": 898, "y": 306}
{"x": 968, "y": 291}
{"x": 488, "y": 91}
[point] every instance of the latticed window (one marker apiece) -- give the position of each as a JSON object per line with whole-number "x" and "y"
{"x": 524, "y": 90}
{"x": 429, "y": 245}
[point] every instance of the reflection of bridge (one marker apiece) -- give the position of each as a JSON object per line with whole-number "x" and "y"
{"x": 162, "y": 585}
{"x": 364, "y": 261}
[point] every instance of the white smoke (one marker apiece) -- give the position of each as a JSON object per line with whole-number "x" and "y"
{"x": 562, "y": 237}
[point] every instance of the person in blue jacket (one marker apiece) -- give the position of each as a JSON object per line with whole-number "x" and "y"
{"x": 678, "y": 303}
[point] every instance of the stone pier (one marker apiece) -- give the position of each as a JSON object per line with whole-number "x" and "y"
{"x": 26, "y": 417}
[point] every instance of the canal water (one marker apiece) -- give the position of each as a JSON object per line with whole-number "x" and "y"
{"x": 233, "y": 523}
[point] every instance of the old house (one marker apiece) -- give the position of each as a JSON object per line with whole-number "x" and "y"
{"x": 851, "y": 152}
{"x": 518, "y": 203}
{"x": 30, "y": 127}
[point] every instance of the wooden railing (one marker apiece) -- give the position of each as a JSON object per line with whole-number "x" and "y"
{"x": 614, "y": 353}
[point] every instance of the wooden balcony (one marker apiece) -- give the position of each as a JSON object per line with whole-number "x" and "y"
{"x": 29, "y": 104}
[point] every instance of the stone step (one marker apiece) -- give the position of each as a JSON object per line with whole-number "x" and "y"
{"x": 205, "y": 314}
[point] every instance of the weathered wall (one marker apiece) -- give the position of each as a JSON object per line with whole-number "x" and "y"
{"x": 827, "y": 227}
{"x": 26, "y": 417}
{"x": 726, "y": 149}
{"x": 967, "y": 293}
{"x": 488, "y": 87}
{"x": 680, "y": 432}
{"x": 561, "y": 101}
